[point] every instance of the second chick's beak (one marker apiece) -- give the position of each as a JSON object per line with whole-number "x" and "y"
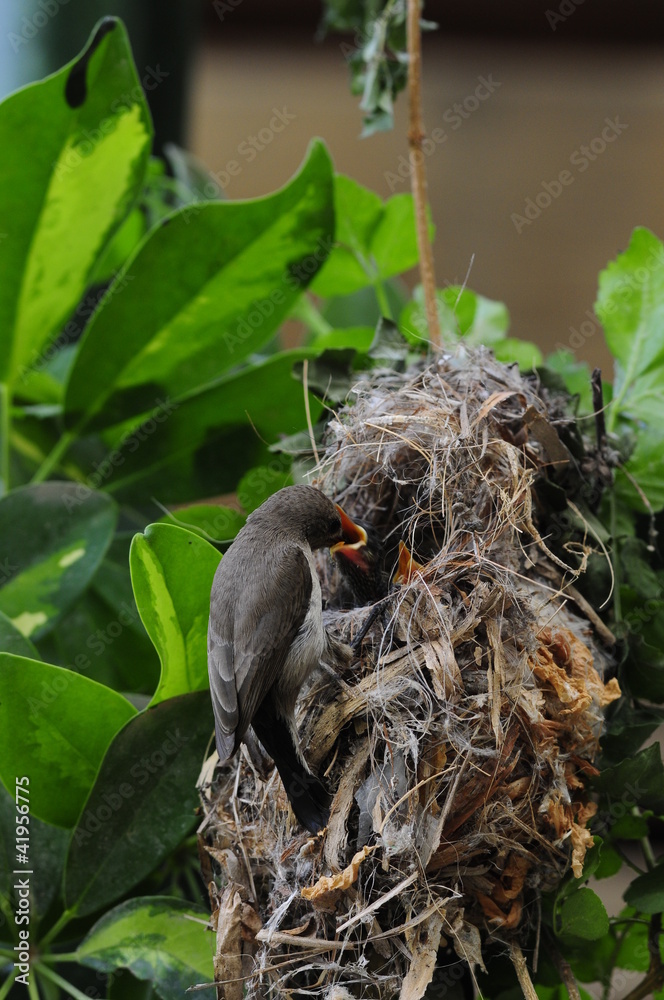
{"x": 360, "y": 556}
{"x": 352, "y": 546}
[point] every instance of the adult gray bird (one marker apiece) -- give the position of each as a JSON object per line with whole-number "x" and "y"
{"x": 266, "y": 633}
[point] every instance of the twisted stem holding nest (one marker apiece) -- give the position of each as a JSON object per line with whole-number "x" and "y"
{"x": 418, "y": 174}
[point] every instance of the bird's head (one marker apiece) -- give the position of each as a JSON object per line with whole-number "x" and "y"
{"x": 307, "y": 513}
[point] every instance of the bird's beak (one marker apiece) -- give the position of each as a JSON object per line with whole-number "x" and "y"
{"x": 407, "y": 566}
{"x": 353, "y": 541}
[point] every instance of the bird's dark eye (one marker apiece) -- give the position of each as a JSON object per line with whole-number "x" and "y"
{"x": 334, "y": 526}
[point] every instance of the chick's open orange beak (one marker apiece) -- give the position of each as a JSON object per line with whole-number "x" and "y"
{"x": 353, "y": 541}
{"x": 407, "y": 567}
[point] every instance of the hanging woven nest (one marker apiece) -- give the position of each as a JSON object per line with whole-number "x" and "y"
{"x": 458, "y": 738}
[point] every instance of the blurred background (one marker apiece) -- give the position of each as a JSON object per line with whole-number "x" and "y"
{"x": 546, "y": 124}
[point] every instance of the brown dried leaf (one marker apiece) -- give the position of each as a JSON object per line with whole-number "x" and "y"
{"x": 582, "y": 840}
{"x": 467, "y": 942}
{"x": 343, "y": 880}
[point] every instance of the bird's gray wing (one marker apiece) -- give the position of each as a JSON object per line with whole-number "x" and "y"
{"x": 247, "y": 654}
{"x": 222, "y": 689}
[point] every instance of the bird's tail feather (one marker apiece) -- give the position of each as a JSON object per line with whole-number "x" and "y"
{"x": 307, "y": 795}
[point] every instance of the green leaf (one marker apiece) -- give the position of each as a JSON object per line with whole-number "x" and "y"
{"x": 172, "y": 572}
{"x": 630, "y": 306}
{"x": 331, "y": 375}
{"x": 142, "y": 803}
{"x": 158, "y": 938}
{"x": 637, "y": 780}
{"x": 104, "y": 644}
{"x": 634, "y": 952}
{"x": 575, "y": 376}
{"x": 54, "y": 537}
{"x": 46, "y": 852}
{"x": 217, "y": 524}
{"x": 583, "y": 915}
{"x": 205, "y": 290}
{"x": 389, "y": 348}
{"x": 260, "y": 483}
{"x": 373, "y": 241}
{"x": 202, "y": 448}
{"x": 610, "y": 862}
{"x": 526, "y": 355}
{"x": 361, "y": 308}
{"x": 75, "y": 148}
{"x": 646, "y": 466}
{"x": 55, "y": 726}
{"x": 462, "y": 314}
{"x": 627, "y": 729}
{"x": 646, "y": 893}
{"x": 13, "y": 641}
{"x": 358, "y": 338}
{"x": 631, "y": 827}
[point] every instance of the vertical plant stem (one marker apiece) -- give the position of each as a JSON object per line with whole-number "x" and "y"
{"x": 418, "y": 173}
{"x": 521, "y": 969}
{"x": 566, "y": 975}
{"x": 53, "y": 458}
{"x": 5, "y": 427}
{"x": 306, "y": 311}
{"x": 381, "y": 297}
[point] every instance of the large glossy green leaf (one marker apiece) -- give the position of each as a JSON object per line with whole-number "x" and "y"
{"x": 55, "y": 726}
{"x": 373, "y": 240}
{"x": 74, "y": 151}
{"x": 54, "y": 537}
{"x": 205, "y": 290}
{"x": 172, "y": 571}
{"x": 142, "y": 803}
{"x": 157, "y": 938}
{"x": 211, "y": 438}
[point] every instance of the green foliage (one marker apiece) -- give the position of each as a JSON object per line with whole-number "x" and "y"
{"x": 158, "y": 939}
{"x": 630, "y": 306}
{"x": 56, "y": 152}
{"x": 174, "y": 606}
{"x": 50, "y": 555}
{"x": 377, "y": 56}
{"x": 583, "y": 915}
{"x": 141, "y": 369}
{"x": 141, "y": 804}
{"x": 646, "y": 893}
{"x": 55, "y": 727}
{"x": 206, "y": 289}
{"x": 374, "y": 240}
